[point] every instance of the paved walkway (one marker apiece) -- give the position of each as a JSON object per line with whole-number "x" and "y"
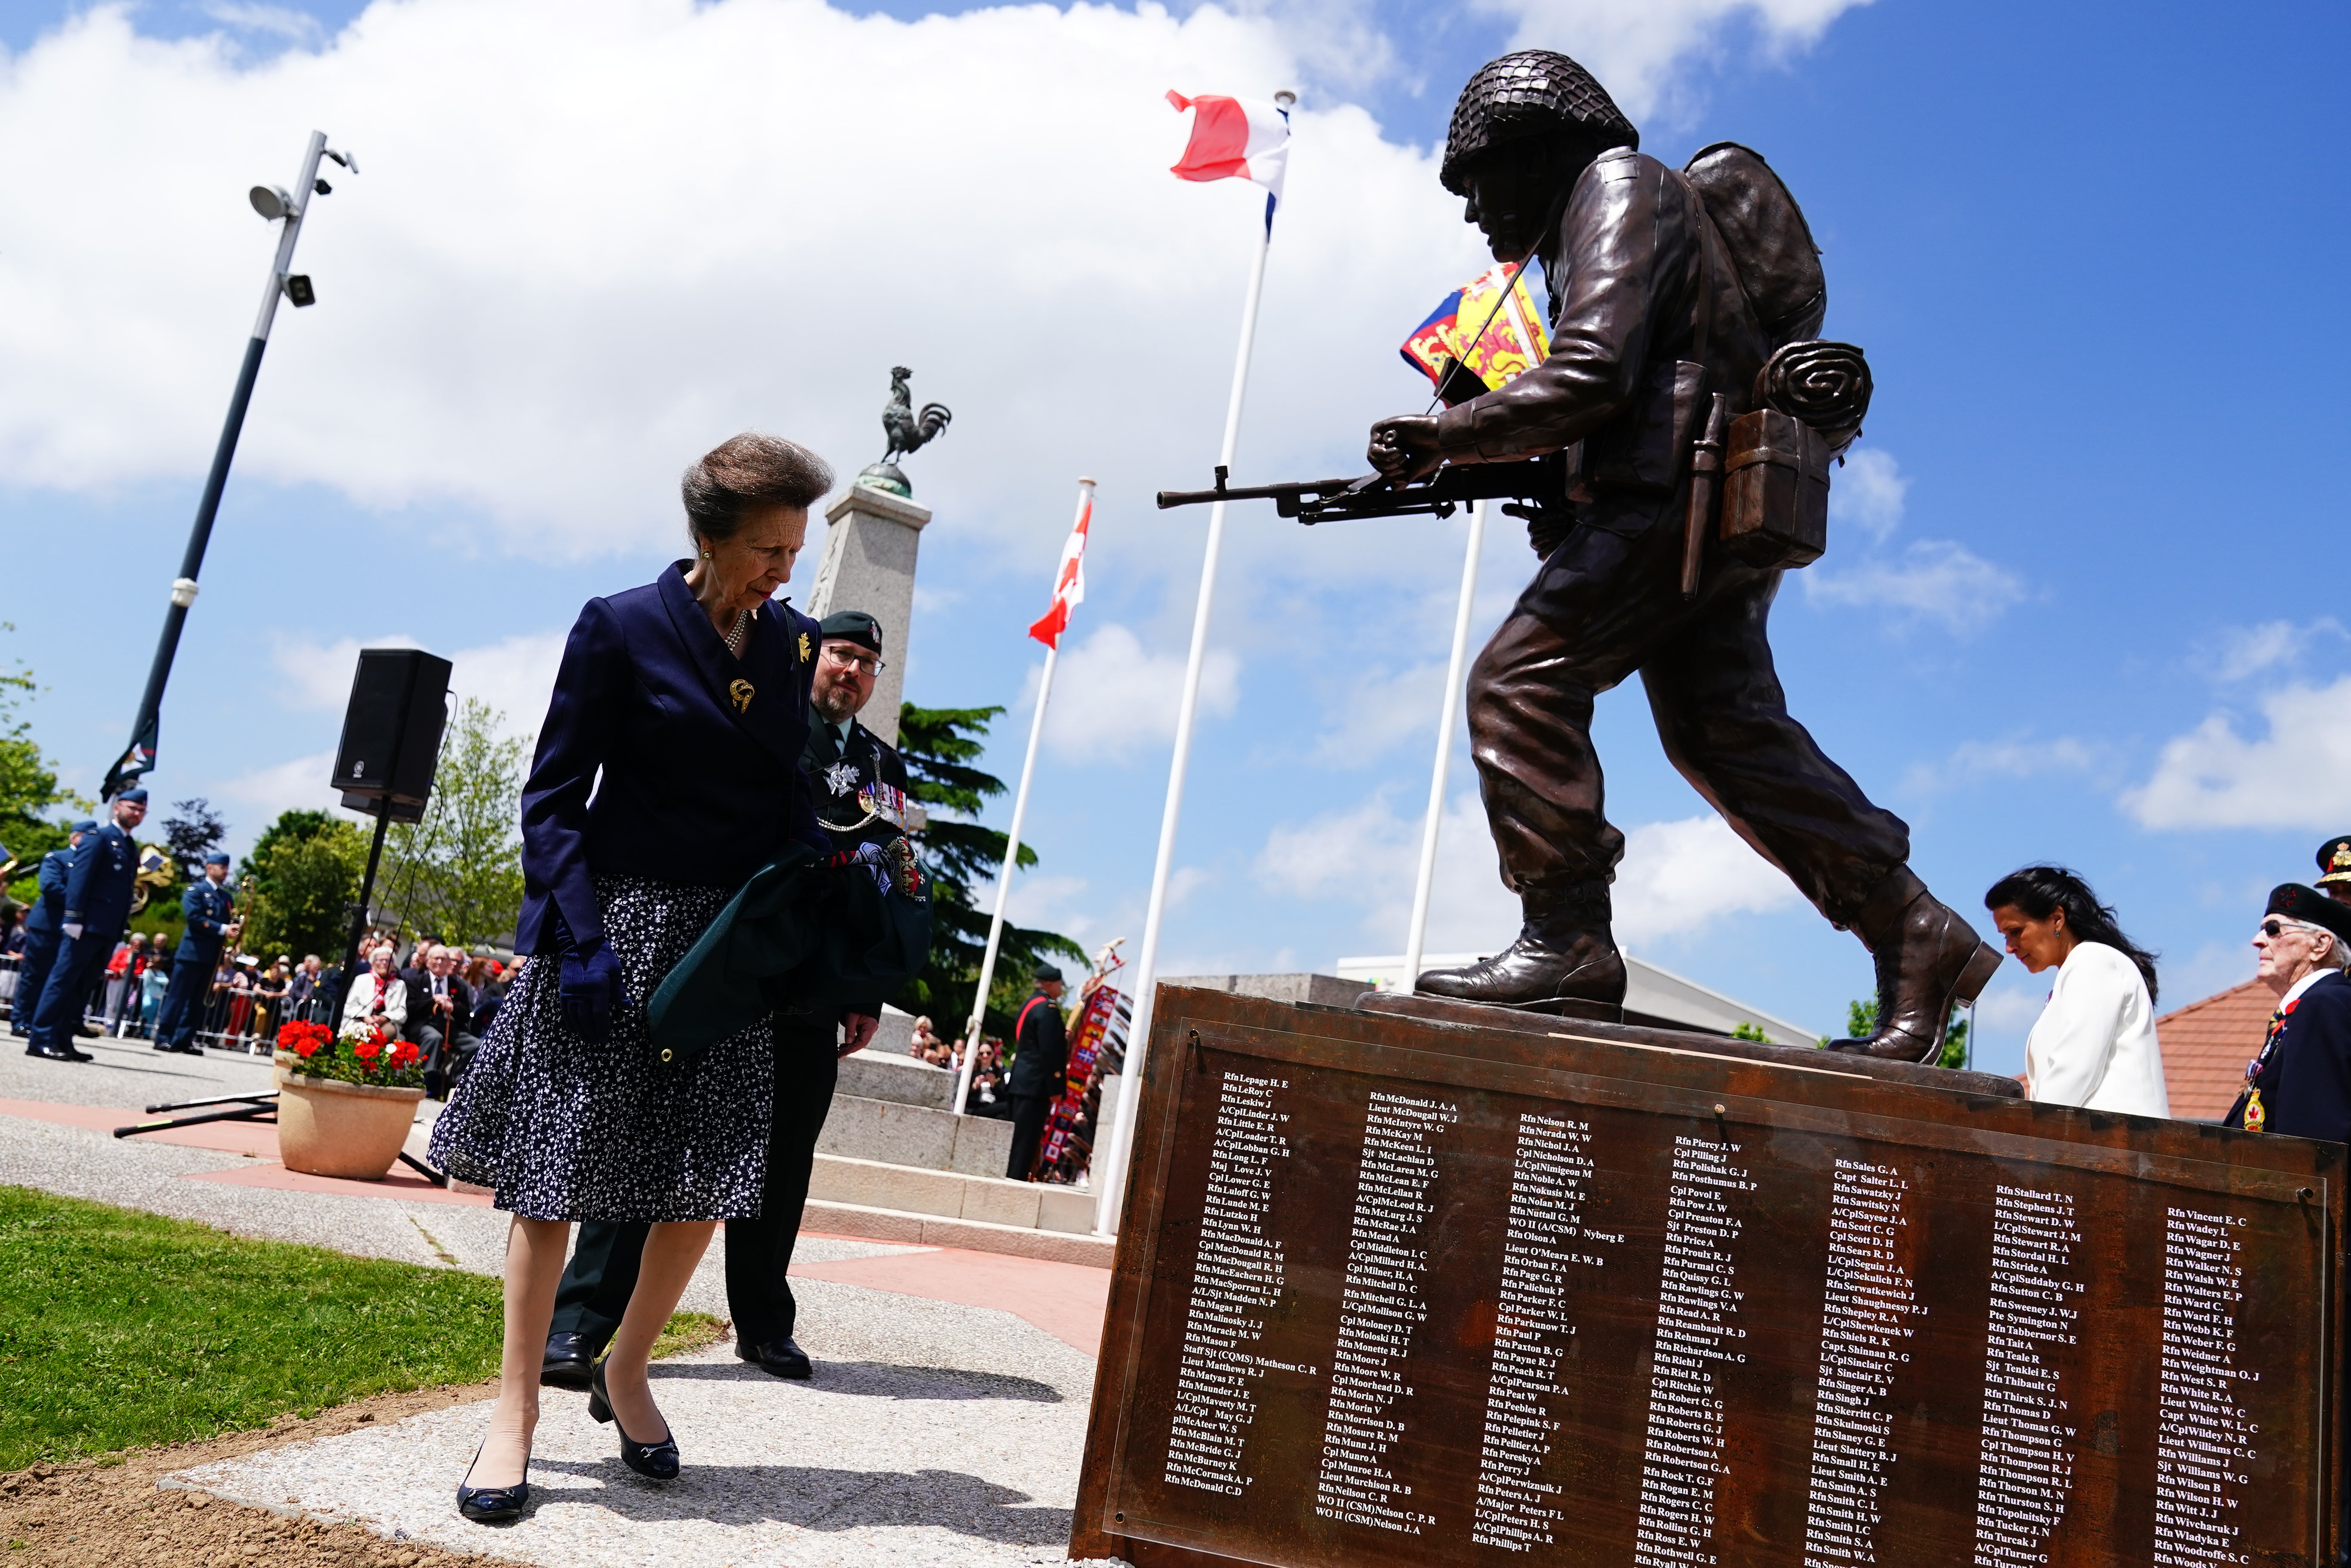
{"x": 944, "y": 1426}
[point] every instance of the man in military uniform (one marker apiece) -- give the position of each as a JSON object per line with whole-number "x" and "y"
{"x": 41, "y": 933}
{"x": 208, "y": 910}
{"x": 2335, "y": 868}
{"x": 1040, "y": 1061}
{"x": 98, "y": 904}
{"x": 1649, "y": 318}
{"x": 2300, "y": 1083}
{"x": 858, "y": 784}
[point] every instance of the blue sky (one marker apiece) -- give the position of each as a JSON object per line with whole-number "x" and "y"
{"x": 2080, "y": 601}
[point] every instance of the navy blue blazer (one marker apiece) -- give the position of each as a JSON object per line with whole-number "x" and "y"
{"x": 2306, "y": 1082}
{"x": 699, "y": 754}
{"x": 206, "y": 908}
{"x": 98, "y": 880}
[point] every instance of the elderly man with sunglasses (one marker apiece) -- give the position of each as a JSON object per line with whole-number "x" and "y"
{"x": 2300, "y": 1083}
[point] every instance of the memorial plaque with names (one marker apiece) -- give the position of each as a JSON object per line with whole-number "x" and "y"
{"x": 1397, "y": 1289}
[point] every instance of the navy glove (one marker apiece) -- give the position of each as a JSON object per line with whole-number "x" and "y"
{"x": 591, "y": 990}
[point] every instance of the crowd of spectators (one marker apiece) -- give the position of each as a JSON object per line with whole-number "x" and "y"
{"x": 990, "y": 1096}
{"x": 440, "y": 996}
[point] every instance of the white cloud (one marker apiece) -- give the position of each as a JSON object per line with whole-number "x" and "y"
{"x": 1682, "y": 877}
{"x": 1868, "y": 493}
{"x": 1676, "y": 877}
{"x": 1933, "y": 580}
{"x": 515, "y": 676}
{"x": 1634, "y": 46}
{"x": 2242, "y": 652}
{"x": 1112, "y": 698}
{"x": 1973, "y": 762}
{"x": 675, "y": 233}
{"x": 1042, "y": 901}
{"x": 276, "y": 21}
{"x": 265, "y": 792}
{"x": 2296, "y": 775}
{"x": 1381, "y": 710}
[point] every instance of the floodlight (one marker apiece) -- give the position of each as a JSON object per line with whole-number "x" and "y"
{"x": 271, "y": 202}
{"x": 298, "y": 289}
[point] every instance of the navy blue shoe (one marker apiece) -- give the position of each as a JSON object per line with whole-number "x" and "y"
{"x": 655, "y": 1461}
{"x": 493, "y": 1504}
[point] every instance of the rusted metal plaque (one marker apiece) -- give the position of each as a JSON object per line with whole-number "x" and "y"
{"x": 1392, "y": 1291}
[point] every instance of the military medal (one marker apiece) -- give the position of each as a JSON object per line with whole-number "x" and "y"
{"x": 742, "y": 693}
{"x": 2254, "y": 1114}
{"x": 804, "y": 647}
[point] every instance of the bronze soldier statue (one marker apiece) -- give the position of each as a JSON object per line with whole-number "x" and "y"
{"x": 1649, "y": 319}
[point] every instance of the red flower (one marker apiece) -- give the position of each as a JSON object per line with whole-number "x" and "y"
{"x": 406, "y": 1054}
{"x": 368, "y": 1050}
{"x": 306, "y": 1048}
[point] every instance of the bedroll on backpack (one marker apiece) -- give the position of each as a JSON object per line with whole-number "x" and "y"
{"x": 1811, "y": 395}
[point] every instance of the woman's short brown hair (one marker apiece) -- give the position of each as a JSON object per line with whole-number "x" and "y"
{"x": 748, "y": 473}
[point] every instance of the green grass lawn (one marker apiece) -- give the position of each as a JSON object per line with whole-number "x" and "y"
{"x": 120, "y": 1329}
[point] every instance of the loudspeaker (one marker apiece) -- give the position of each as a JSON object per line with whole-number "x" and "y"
{"x": 391, "y": 731}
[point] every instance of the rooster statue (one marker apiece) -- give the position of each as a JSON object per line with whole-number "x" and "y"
{"x": 908, "y": 431}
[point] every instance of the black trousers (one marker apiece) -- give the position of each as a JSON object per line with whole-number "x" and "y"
{"x": 183, "y": 1002}
{"x": 1606, "y": 603}
{"x": 602, "y": 1272}
{"x": 81, "y": 967}
{"x": 40, "y": 955}
{"x": 1027, "y": 1127}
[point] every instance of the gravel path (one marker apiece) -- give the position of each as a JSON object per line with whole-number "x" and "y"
{"x": 932, "y": 1434}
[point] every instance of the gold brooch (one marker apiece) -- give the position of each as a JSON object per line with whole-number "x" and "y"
{"x": 742, "y": 693}
{"x": 804, "y": 647}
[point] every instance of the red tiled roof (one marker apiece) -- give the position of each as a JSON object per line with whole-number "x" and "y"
{"x": 2206, "y": 1046}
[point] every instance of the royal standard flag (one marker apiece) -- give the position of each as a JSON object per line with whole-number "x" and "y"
{"x": 1510, "y": 337}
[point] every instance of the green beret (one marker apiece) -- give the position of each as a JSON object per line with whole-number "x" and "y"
{"x": 854, "y": 626}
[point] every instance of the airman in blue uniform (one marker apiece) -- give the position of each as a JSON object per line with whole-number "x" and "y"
{"x": 207, "y": 908}
{"x": 99, "y": 882}
{"x": 41, "y": 933}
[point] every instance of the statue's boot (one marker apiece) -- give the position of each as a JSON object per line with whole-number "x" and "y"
{"x": 1564, "y": 956}
{"x": 1928, "y": 961}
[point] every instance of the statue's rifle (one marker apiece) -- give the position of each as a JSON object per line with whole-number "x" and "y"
{"x": 1340, "y": 500}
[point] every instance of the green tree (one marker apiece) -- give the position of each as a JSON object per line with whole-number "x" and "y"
{"x": 939, "y": 746}
{"x": 195, "y": 832}
{"x": 1745, "y": 1031}
{"x": 1860, "y": 1022}
{"x": 297, "y": 886}
{"x": 457, "y": 875}
{"x": 28, "y": 785}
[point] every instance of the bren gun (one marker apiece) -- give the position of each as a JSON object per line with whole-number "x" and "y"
{"x": 1316, "y": 500}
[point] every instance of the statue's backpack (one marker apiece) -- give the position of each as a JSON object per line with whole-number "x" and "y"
{"x": 1809, "y": 395}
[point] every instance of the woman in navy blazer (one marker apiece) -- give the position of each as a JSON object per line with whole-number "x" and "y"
{"x": 667, "y": 772}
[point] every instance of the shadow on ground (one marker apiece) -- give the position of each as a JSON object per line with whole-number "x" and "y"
{"x": 809, "y": 1498}
{"x": 879, "y": 1380}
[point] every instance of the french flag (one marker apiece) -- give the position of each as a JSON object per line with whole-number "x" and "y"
{"x": 1233, "y": 139}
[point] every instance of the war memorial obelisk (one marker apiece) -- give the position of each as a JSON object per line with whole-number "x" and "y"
{"x": 1484, "y": 1274}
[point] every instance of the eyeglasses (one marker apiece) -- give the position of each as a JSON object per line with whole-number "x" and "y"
{"x": 841, "y": 654}
{"x": 2274, "y": 928}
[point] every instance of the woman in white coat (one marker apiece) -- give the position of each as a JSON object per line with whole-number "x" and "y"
{"x": 2095, "y": 1044}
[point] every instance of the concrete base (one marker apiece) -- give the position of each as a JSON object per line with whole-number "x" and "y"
{"x": 917, "y": 1136}
{"x": 897, "y": 1077}
{"x": 991, "y": 1200}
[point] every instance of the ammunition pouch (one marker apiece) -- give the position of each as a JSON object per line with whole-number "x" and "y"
{"x": 1775, "y": 491}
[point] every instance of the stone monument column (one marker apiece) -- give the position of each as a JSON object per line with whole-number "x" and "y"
{"x": 868, "y": 564}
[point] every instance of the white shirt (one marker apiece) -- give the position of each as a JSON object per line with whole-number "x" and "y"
{"x": 2095, "y": 1044}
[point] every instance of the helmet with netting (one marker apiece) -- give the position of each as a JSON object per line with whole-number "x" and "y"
{"x": 1531, "y": 93}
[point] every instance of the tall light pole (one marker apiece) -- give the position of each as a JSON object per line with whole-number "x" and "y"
{"x": 278, "y": 206}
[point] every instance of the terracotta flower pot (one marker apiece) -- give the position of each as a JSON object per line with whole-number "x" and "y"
{"x": 329, "y": 1128}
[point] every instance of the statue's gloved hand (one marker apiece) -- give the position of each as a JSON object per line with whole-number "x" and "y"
{"x": 590, "y": 987}
{"x": 1405, "y": 449}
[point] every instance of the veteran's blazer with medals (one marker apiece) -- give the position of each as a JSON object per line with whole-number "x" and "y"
{"x": 2300, "y": 1083}
{"x": 665, "y": 756}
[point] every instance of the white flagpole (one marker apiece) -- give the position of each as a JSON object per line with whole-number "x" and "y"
{"x": 1446, "y": 710}
{"x": 1012, "y": 846}
{"x": 1109, "y": 1185}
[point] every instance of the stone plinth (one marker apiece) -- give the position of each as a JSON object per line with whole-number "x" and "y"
{"x": 868, "y": 564}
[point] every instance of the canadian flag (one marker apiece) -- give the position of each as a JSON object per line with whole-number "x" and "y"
{"x": 1070, "y": 578}
{"x": 1234, "y": 140}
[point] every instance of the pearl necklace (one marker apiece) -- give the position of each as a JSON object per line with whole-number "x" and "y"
{"x": 742, "y": 630}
